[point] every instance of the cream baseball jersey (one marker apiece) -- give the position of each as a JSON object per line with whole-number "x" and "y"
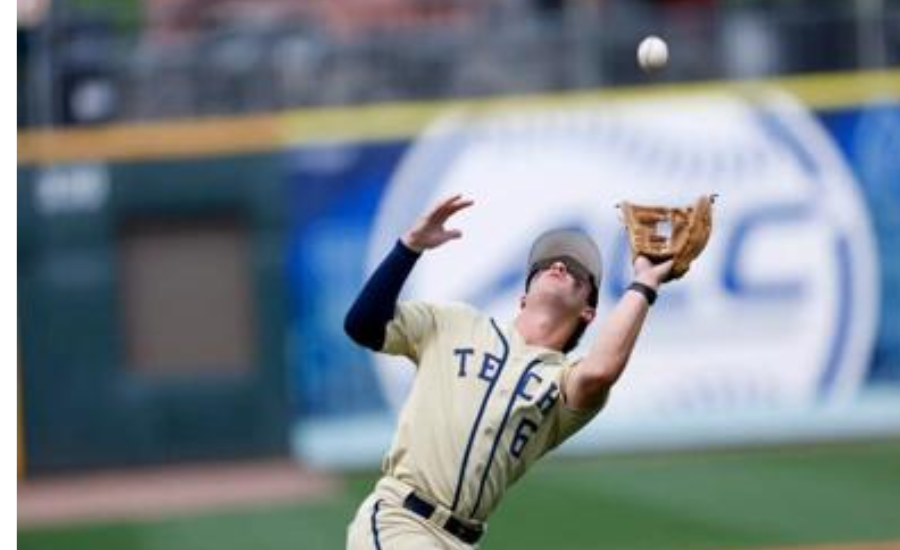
{"x": 483, "y": 407}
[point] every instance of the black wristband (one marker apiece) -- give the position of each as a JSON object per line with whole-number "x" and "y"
{"x": 648, "y": 293}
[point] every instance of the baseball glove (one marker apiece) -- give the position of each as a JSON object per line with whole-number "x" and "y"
{"x": 661, "y": 233}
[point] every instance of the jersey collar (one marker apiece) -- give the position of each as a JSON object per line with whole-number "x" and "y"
{"x": 547, "y": 355}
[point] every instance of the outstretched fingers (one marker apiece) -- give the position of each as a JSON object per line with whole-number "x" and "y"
{"x": 448, "y": 207}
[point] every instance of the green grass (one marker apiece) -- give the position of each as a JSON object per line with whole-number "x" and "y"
{"x": 725, "y": 500}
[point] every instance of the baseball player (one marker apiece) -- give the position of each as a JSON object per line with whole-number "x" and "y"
{"x": 489, "y": 398}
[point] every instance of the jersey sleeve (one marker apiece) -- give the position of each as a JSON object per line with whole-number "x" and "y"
{"x": 413, "y": 325}
{"x": 568, "y": 420}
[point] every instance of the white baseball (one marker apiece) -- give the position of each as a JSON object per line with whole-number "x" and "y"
{"x": 652, "y": 54}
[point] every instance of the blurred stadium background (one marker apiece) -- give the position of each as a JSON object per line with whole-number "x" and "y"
{"x": 204, "y": 184}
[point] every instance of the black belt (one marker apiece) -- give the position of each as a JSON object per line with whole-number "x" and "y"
{"x": 465, "y": 533}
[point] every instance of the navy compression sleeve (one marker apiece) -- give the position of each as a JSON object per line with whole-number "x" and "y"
{"x": 373, "y": 309}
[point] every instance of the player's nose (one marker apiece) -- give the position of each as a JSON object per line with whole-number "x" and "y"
{"x": 559, "y": 267}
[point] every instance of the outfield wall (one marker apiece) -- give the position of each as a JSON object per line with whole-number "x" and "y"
{"x": 787, "y": 329}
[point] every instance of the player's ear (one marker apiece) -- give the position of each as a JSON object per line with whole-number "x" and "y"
{"x": 588, "y": 314}
{"x": 522, "y": 302}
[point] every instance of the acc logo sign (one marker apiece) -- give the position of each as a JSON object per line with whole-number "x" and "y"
{"x": 779, "y": 311}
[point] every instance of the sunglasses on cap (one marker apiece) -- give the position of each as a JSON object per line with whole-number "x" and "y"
{"x": 573, "y": 267}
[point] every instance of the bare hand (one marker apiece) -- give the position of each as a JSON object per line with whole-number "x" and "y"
{"x": 651, "y": 274}
{"x": 429, "y": 232}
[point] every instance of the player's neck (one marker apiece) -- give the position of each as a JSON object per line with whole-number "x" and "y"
{"x": 544, "y": 327}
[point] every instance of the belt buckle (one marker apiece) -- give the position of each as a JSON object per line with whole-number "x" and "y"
{"x": 454, "y": 526}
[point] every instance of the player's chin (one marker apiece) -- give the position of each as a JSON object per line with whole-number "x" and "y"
{"x": 564, "y": 298}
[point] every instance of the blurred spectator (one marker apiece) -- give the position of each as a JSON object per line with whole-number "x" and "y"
{"x": 751, "y": 45}
{"x": 86, "y": 69}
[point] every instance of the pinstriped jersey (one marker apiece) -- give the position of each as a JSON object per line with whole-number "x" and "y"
{"x": 483, "y": 408}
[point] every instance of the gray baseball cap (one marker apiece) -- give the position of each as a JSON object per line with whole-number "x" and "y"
{"x": 568, "y": 242}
